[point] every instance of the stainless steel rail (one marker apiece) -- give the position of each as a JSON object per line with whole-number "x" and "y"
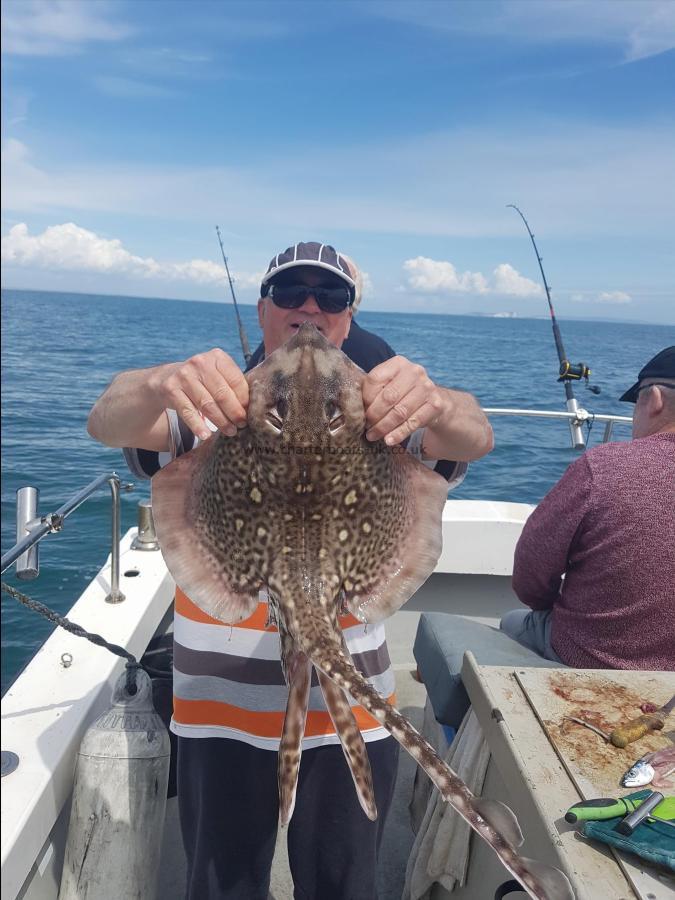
{"x": 575, "y": 418}
{"x": 40, "y": 526}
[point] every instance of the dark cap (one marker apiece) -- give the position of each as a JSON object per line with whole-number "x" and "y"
{"x": 323, "y": 256}
{"x": 660, "y": 366}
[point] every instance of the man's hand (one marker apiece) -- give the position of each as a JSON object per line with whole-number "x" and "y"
{"x": 399, "y": 397}
{"x": 207, "y": 386}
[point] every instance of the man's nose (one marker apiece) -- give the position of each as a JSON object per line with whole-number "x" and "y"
{"x": 310, "y": 305}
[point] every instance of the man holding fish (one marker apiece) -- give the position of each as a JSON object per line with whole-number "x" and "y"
{"x": 229, "y": 689}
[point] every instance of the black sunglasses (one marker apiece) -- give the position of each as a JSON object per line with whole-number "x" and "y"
{"x": 329, "y": 300}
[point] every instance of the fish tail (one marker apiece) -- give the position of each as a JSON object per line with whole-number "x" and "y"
{"x": 290, "y": 747}
{"x": 352, "y": 743}
{"x": 494, "y": 821}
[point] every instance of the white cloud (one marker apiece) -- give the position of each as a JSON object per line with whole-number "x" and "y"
{"x": 565, "y": 178}
{"x": 640, "y": 28}
{"x": 69, "y": 247}
{"x": 506, "y": 280}
{"x": 430, "y": 276}
{"x": 132, "y": 89}
{"x": 14, "y": 153}
{"x": 613, "y": 297}
{"x": 654, "y": 34}
{"x": 367, "y": 289}
{"x": 437, "y": 277}
{"x": 602, "y": 297}
{"x": 57, "y": 27}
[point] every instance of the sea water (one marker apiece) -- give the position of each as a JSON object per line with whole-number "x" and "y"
{"x": 59, "y": 352}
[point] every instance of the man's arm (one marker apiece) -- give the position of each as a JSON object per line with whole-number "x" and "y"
{"x": 543, "y": 551}
{"x": 461, "y": 430}
{"x": 131, "y": 411}
{"x": 399, "y": 397}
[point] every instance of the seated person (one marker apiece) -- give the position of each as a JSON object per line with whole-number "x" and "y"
{"x": 596, "y": 559}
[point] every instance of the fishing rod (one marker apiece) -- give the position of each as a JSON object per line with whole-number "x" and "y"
{"x": 568, "y": 371}
{"x": 242, "y": 331}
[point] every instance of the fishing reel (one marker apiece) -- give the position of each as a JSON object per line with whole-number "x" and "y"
{"x": 571, "y": 372}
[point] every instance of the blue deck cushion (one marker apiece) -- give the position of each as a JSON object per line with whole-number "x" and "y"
{"x": 439, "y": 647}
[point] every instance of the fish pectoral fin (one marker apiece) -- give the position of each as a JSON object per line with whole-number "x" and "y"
{"x": 352, "y": 742}
{"x": 202, "y": 561}
{"x": 290, "y": 747}
{"x": 381, "y": 581}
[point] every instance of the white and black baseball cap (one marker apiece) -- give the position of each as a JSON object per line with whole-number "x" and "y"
{"x": 310, "y": 253}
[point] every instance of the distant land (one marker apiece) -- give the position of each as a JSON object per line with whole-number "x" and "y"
{"x": 374, "y": 312}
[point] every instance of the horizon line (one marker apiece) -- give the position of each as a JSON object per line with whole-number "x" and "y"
{"x": 225, "y": 302}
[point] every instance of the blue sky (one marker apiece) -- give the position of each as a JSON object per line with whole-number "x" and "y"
{"x": 397, "y": 131}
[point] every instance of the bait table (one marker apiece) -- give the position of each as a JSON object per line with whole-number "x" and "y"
{"x": 542, "y": 764}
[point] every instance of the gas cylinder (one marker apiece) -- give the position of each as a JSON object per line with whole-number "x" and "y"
{"x": 119, "y": 801}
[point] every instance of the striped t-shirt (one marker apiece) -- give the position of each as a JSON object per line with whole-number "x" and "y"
{"x": 228, "y": 680}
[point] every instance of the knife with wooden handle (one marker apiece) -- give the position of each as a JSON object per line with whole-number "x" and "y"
{"x": 637, "y": 728}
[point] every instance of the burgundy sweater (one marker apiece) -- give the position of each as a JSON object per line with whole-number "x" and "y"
{"x": 609, "y": 527}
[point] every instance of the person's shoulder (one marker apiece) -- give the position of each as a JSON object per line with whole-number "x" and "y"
{"x": 617, "y": 456}
{"x": 663, "y": 442}
{"x": 256, "y": 357}
{"x": 365, "y": 348}
{"x": 359, "y": 334}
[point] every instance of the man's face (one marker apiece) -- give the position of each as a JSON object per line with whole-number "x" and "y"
{"x": 278, "y": 325}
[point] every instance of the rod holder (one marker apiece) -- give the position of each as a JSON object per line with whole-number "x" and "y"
{"x": 146, "y": 539}
{"x": 28, "y": 564}
{"x": 34, "y": 528}
{"x": 115, "y": 595}
{"x": 576, "y": 433}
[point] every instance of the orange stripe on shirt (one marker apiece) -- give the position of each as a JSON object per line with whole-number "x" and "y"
{"x": 261, "y": 724}
{"x": 257, "y": 621}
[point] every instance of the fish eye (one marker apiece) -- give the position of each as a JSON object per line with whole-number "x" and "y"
{"x": 334, "y": 416}
{"x": 277, "y": 414}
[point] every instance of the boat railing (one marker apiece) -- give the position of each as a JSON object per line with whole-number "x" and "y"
{"x": 31, "y": 528}
{"x": 576, "y": 419}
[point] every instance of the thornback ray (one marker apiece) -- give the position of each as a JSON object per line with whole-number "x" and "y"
{"x": 300, "y": 504}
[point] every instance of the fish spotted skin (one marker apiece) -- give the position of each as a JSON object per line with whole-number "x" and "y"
{"x": 301, "y": 504}
{"x": 298, "y": 673}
